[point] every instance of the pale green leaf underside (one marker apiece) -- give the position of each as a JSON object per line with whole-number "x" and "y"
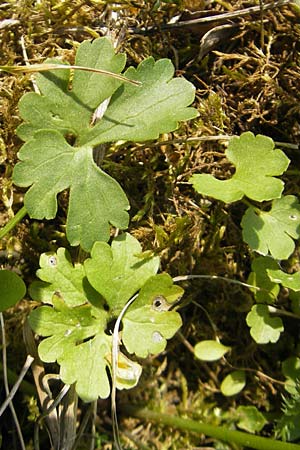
{"x": 256, "y": 162}
{"x": 233, "y": 383}
{"x": 147, "y": 323}
{"x": 290, "y": 281}
{"x": 49, "y": 165}
{"x": 263, "y": 327}
{"x": 259, "y": 277}
{"x": 117, "y": 272}
{"x": 273, "y": 232}
{"x": 209, "y": 350}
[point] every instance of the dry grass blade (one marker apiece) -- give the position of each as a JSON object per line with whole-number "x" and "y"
{"x": 46, "y": 67}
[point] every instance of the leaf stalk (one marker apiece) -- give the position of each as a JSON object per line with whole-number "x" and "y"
{"x": 217, "y": 432}
{"x": 13, "y": 222}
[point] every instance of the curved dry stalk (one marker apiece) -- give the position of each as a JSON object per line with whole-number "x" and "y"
{"x": 46, "y": 67}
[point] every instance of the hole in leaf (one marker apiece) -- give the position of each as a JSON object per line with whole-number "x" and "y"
{"x": 52, "y": 261}
{"x": 160, "y": 303}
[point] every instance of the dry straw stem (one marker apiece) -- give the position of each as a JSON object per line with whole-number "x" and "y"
{"x": 46, "y": 67}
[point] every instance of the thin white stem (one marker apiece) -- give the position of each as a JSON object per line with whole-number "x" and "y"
{"x": 114, "y": 365}
{"x": 6, "y": 387}
{"x": 215, "y": 277}
{"x": 14, "y": 389}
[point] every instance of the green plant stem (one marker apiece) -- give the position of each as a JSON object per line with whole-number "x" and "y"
{"x": 13, "y": 222}
{"x": 221, "y": 433}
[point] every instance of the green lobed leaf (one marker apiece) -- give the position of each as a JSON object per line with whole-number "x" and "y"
{"x": 60, "y": 166}
{"x": 49, "y": 164}
{"x": 233, "y": 383}
{"x": 210, "y": 350}
{"x": 78, "y": 336}
{"x": 70, "y": 111}
{"x": 86, "y": 365}
{"x": 59, "y": 276}
{"x": 250, "y": 419}
{"x": 144, "y": 112}
{"x": 256, "y": 162}
{"x": 273, "y": 232}
{"x": 83, "y": 363}
{"x": 290, "y": 281}
{"x": 117, "y": 272}
{"x": 12, "y": 289}
{"x": 260, "y": 277}
{"x": 263, "y": 327}
{"x": 148, "y": 323}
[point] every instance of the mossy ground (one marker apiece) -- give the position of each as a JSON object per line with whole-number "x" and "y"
{"x": 247, "y": 81}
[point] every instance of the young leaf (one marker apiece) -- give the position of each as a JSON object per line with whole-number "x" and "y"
{"x": 250, "y": 419}
{"x": 70, "y": 111}
{"x": 263, "y": 327}
{"x": 61, "y": 277}
{"x": 60, "y": 166}
{"x": 260, "y": 277}
{"x": 256, "y": 162}
{"x": 210, "y": 350}
{"x": 83, "y": 363}
{"x": 12, "y": 289}
{"x": 233, "y": 383}
{"x": 117, "y": 272}
{"x": 286, "y": 279}
{"x": 272, "y": 232}
{"x": 148, "y": 322}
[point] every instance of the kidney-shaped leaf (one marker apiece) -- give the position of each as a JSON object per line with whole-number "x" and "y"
{"x": 12, "y": 289}
{"x": 148, "y": 323}
{"x": 263, "y": 327}
{"x": 257, "y": 164}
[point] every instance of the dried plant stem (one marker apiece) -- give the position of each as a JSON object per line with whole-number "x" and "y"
{"x": 16, "y": 386}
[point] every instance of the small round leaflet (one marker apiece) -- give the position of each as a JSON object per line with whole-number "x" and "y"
{"x": 12, "y": 289}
